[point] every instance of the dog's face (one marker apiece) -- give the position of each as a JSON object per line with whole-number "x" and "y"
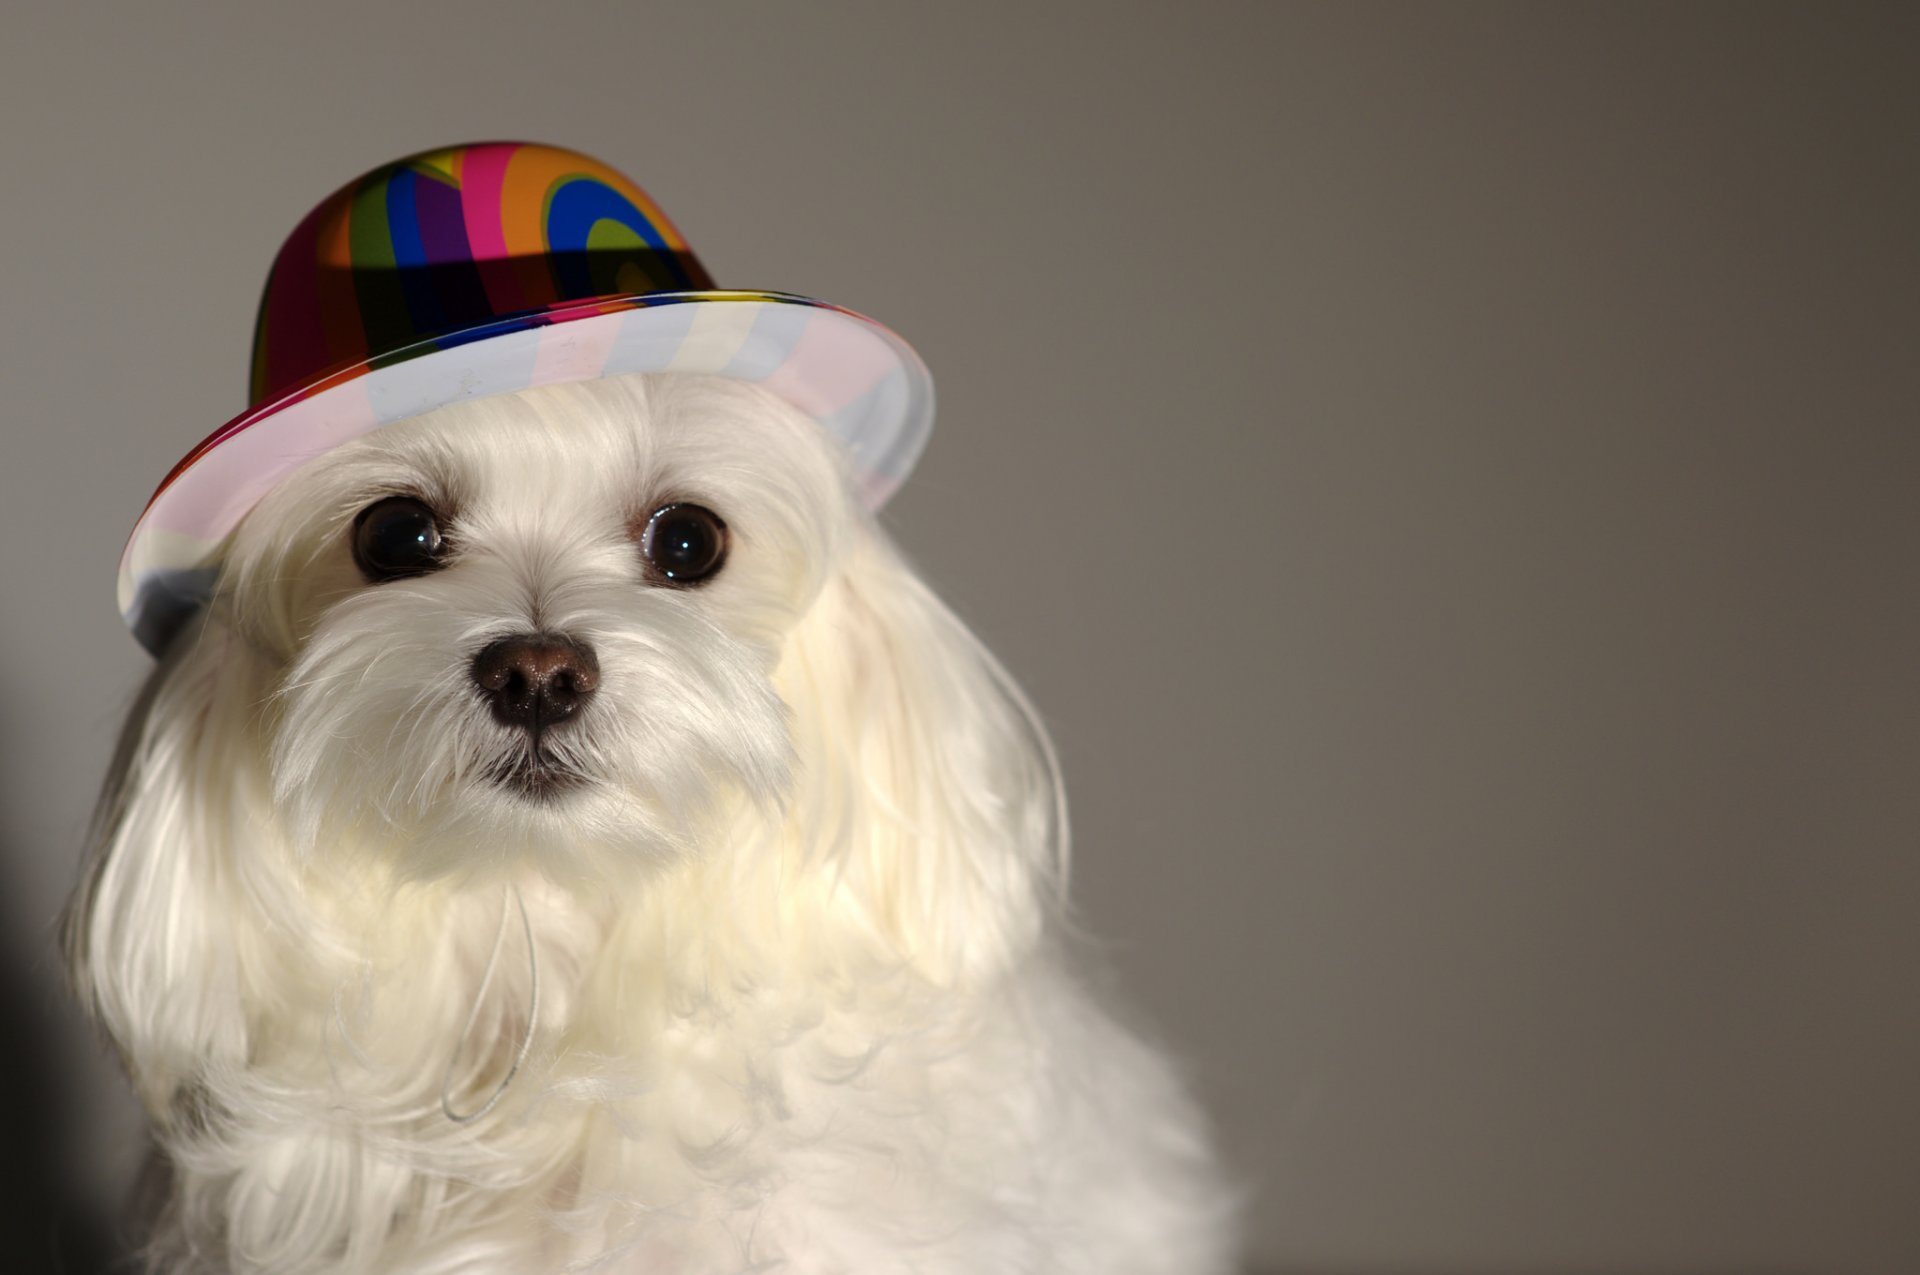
{"x": 546, "y": 623}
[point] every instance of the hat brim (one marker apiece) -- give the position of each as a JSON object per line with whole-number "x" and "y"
{"x": 862, "y": 382}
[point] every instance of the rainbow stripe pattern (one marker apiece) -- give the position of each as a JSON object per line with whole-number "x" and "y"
{"x": 484, "y": 269}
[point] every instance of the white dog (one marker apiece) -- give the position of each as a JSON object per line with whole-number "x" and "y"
{"x": 574, "y": 840}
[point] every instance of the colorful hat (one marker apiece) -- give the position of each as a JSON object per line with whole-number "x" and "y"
{"x": 479, "y": 270}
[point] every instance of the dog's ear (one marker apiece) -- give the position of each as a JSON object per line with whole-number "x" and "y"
{"x": 924, "y": 773}
{"x": 155, "y": 933}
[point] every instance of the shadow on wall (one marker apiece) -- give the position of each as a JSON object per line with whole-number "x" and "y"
{"x": 53, "y": 1219}
{"x": 49, "y": 1224}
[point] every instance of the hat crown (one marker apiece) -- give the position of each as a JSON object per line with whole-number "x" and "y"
{"x": 434, "y": 246}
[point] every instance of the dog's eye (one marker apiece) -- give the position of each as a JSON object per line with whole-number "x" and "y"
{"x": 397, "y": 537}
{"x": 684, "y": 543}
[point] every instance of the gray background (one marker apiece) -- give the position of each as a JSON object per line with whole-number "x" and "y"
{"x": 1447, "y": 474}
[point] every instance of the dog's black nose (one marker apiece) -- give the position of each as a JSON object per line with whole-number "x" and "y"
{"x": 536, "y": 680}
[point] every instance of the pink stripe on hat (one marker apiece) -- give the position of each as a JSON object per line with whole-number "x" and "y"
{"x": 483, "y": 170}
{"x": 573, "y": 352}
{"x": 830, "y": 366}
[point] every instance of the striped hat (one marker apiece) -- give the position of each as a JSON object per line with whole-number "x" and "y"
{"x": 484, "y": 269}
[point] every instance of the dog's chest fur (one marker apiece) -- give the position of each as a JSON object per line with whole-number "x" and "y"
{"x": 705, "y": 1095}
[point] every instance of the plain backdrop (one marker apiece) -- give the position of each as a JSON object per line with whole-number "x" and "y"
{"x": 1446, "y": 473}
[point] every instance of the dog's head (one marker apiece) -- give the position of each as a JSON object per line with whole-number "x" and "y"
{"x": 593, "y": 627}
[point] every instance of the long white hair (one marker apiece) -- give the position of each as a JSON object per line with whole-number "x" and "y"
{"x": 315, "y": 931}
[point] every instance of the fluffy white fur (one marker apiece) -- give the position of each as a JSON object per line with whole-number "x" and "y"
{"x": 800, "y": 1008}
